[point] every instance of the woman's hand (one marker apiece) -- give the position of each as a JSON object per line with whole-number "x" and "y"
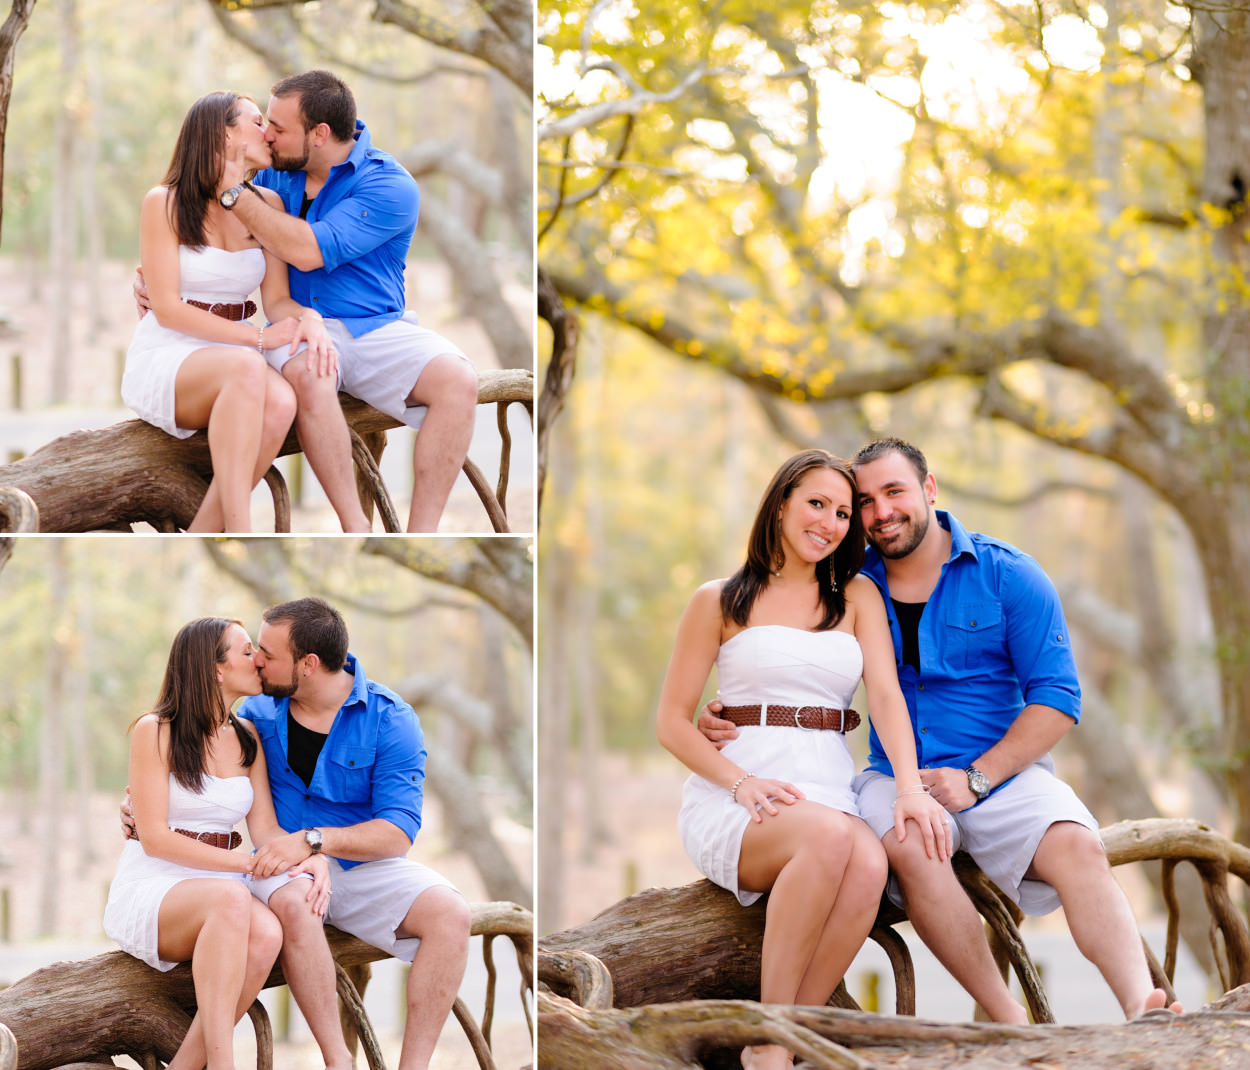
{"x": 318, "y": 897}
{"x": 322, "y": 357}
{"x": 281, "y": 332}
{"x": 233, "y": 167}
{"x": 760, "y": 793}
{"x": 930, "y": 818}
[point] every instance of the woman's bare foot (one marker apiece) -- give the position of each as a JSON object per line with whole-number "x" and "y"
{"x": 1158, "y": 1001}
{"x": 766, "y": 1057}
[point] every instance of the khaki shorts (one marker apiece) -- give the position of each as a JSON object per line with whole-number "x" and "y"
{"x": 370, "y": 900}
{"x": 383, "y": 365}
{"x": 1001, "y": 834}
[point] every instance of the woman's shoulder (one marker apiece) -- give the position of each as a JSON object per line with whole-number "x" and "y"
{"x": 157, "y": 195}
{"x": 862, "y": 593}
{"x": 707, "y": 595}
{"x": 148, "y": 734}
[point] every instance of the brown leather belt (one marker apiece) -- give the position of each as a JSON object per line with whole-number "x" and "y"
{"x": 812, "y": 718}
{"x": 227, "y": 841}
{"x": 245, "y": 311}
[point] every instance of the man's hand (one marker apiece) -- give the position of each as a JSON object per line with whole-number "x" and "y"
{"x": 949, "y": 787}
{"x": 129, "y": 831}
{"x": 142, "y": 304}
{"x": 280, "y": 855}
{"x": 718, "y": 730}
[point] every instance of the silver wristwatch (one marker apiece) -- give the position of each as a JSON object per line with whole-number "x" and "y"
{"x": 978, "y": 782}
{"x": 312, "y": 837}
{"x": 229, "y": 197}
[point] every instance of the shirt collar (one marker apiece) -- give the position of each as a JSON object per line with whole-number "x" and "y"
{"x": 360, "y": 150}
{"x": 360, "y": 685}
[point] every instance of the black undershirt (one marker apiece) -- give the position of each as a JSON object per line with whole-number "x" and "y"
{"x": 303, "y": 748}
{"x": 909, "y": 614}
{"x": 304, "y": 206}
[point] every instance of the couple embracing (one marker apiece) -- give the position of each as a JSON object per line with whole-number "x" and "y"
{"x": 327, "y": 769}
{"x": 324, "y": 231}
{"x": 963, "y": 649}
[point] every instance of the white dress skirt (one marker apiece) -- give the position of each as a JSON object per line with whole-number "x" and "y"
{"x": 779, "y": 665}
{"x": 156, "y": 353}
{"x": 141, "y": 881}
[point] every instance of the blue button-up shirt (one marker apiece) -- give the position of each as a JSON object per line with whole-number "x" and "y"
{"x": 992, "y": 639}
{"x": 363, "y": 219}
{"x": 372, "y": 764}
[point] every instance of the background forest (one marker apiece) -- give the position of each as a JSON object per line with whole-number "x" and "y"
{"x": 1011, "y": 232}
{"x": 87, "y": 625}
{"x": 99, "y": 91}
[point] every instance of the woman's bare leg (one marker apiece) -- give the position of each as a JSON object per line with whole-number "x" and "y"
{"x": 223, "y": 388}
{"x": 264, "y": 941}
{"x": 850, "y": 921}
{"x": 208, "y": 921}
{"x": 800, "y": 858}
{"x": 278, "y": 416}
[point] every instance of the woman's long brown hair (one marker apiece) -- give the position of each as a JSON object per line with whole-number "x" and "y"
{"x": 196, "y": 165}
{"x": 190, "y": 702}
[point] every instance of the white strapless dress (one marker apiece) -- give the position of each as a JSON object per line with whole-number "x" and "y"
{"x": 786, "y": 666}
{"x": 156, "y": 353}
{"x": 141, "y": 881}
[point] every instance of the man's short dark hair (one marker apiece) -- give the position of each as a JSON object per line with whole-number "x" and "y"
{"x": 323, "y": 98}
{"x": 874, "y": 451}
{"x": 316, "y": 627}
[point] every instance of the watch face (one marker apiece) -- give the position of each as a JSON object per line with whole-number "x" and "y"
{"x": 978, "y": 782}
{"x": 228, "y": 198}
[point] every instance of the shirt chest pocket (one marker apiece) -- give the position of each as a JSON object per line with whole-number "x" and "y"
{"x": 975, "y": 636}
{"x": 349, "y": 774}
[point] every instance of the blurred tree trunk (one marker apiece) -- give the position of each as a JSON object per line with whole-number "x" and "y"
{"x": 78, "y": 727}
{"x": 1220, "y": 519}
{"x": 19, "y": 16}
{"x": 554, "y": 699}
{"x": 64, "y": 217}
{"x": 89, "y": 145}
{"x": 591, "y": 561}
{"x": 512, "y": 721}
{"x": 52, "y": 737}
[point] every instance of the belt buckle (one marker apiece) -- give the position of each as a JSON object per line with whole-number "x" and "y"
{"x": 798, "y": 714}
{"x": 214, "y": 307}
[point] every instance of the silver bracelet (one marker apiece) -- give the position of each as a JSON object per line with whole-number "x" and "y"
{"x": 733, "y": 792}
{"x": 922, "y": 790}
{"x": 260, "y": 339}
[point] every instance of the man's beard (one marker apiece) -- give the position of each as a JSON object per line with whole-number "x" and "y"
{"x": 280, "y": 690}
{"x": 289, "y": 163}
{"x": 906, "y": 541}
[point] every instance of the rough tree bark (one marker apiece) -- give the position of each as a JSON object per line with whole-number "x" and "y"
{"x": 603, "y": 1002}
{"x": 88, "y": 1011}
{"x": 132, "y": 472}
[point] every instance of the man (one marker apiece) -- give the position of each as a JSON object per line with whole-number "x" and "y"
{"x": 987, "y": 669}
{"x": 346, "y": 762}
{"x": 351, "y": 210}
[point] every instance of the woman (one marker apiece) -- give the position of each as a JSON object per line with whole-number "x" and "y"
{"x": 794, "y": 628}
{"x": 180, "y": 892}
{"x": 196, "y": 361}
